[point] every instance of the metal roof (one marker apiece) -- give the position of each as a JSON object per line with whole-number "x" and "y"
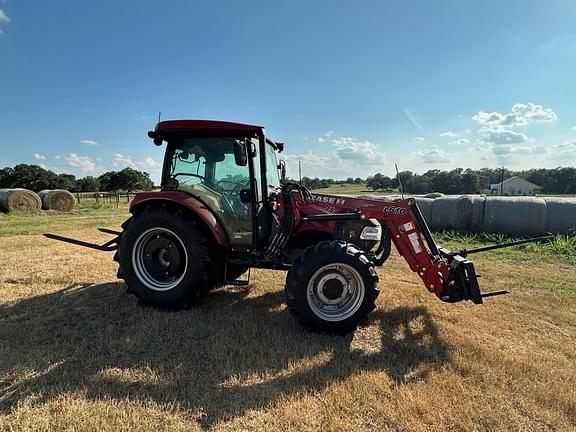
{"x": 204, "y": 125}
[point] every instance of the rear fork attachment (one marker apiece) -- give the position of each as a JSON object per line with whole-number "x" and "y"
{"x": 109, "y": 246}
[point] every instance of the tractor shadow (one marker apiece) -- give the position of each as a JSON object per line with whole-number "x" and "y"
{"x": 233, "y": 353}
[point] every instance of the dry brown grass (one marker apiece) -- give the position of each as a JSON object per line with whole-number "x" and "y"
{"x": 79, "y": 353}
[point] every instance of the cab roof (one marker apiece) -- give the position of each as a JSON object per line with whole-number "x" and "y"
{"x": 204, "y": 126}
{"x": 209, "y": 127}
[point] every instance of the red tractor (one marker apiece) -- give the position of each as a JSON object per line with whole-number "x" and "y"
{"x": 224, "y": 208}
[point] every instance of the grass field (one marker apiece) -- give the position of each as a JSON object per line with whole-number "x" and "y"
{"x": 79, "y": 353}
{"x": 354, "y": 189}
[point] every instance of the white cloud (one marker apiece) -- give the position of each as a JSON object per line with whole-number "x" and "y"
{"x": 450, "y": 134}
{"x": 320, "y": 139}
{"x": 148, "y": 164}
{"x": 39, "y": 156}
{"x": 501, "y": 136}
{"x": 564, "y": 152}
{"x": 312, "y": 160}
{"x": 515, "y": 149}
{"x": 573, "y": 128}
{"x": 121, "y": 161}
{"x": 348, "y": 157}
{"x": 151, "y": 163}
{"x": 433, "y": 155}
{"x": 4, "y": 17}
{"x": 521, "y": 114}
{"x": 361, "y": 151}
{"x": 84, "y": 163}
{"x": 90, "y": 143}
{"x": 329, "y": 133}
{"x": 419, "y": 139}
{"x": 460, "y": 142}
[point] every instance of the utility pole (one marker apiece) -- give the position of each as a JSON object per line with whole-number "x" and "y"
{"x": 502, "y": 182}
{"x": 300, "y": 171}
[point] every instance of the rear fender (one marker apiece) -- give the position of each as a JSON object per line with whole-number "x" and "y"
{"x": 186, "y": 201}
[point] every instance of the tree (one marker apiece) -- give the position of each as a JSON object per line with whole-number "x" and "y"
{"x": 379, "y": 182}
{"x": 65, "y": 181}
{"x": 87, "y": 184}
{"x": 405, "y": 177}
{"x": 31, "y": 177}
{"x": 470, "y": 182}
{"x": 128, "y": 180}
{"x": 108, "y": 181}
{"x": 417, "y": 184}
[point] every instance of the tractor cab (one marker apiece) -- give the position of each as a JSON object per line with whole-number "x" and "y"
{"x": 230, "y": 167}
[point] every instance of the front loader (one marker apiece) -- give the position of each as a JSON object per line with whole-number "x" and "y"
{"x": 222, "y": 210}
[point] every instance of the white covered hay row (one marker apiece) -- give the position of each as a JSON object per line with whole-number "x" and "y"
{"x": 458, "y": 212}
{"x": 19, "y": 201}
{"x": 57, "y": 199}
{"x": 518, "y": 215}
{"x": 561, "y": 215}
{"x": 425, "y": 206}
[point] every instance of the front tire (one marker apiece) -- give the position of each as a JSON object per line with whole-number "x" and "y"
{"x": 331, "y": 287}
{"x": 383, "y": 251}
{"x": 165, "y": 257}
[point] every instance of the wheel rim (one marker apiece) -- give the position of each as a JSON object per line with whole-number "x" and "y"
{"x": 335, "y": 292}
{"x": 159, "y": 259}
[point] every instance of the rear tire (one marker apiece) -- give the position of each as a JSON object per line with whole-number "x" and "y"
{"x": 331, "y": 287}
{"x": 165, "y": 257}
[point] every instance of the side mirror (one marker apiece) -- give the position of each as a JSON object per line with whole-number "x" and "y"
{"x": 282, "y": 168}
{"x": 240, "y": 155}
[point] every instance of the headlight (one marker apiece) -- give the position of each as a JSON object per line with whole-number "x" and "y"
{"x": 373, "y": 233}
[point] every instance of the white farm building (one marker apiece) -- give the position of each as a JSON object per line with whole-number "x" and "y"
{"x": 514, "y": 186}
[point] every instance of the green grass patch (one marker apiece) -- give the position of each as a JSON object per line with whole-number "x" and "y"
{"x": 561, "y": 245}
{"x": 349, "y": 189}
{"x": 81, "y": 218}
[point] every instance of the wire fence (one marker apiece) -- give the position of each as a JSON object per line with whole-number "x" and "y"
{"x": 110, "y": 198}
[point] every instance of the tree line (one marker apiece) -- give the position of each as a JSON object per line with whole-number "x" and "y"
{"x": 459, "y": 180}
{"x": 36, "y": 178}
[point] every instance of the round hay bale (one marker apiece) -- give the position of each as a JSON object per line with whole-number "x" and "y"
{"x": 19, "y": 201}
{"x": 518, "y": 215}
{"x": 425, "y": 206}
{"x": 561, "y": 215}
{"x": 57, "y": 199}
{"x": 458, "y": 212}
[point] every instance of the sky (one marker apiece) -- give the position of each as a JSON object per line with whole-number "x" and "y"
{"x": 351, "y": 87}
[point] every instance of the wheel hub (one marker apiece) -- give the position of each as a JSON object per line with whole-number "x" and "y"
{"x": 335, "y": 292}
{"x": 332, "y": 288}
{"x": 160, "y": 259}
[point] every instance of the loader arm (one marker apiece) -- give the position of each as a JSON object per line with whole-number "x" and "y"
{"x": 450, "y": 276}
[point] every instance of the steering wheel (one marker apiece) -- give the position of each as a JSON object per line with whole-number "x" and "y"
{"x": 231, "y": 197}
